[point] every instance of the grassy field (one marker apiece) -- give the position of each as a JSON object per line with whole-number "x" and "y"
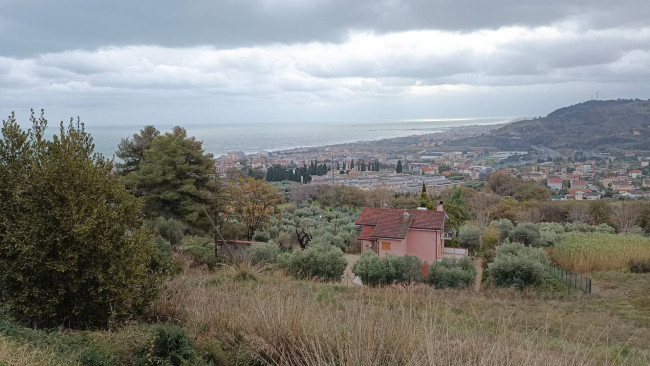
{"x": 244, "y": 315}
{"x": 587, "y": 252}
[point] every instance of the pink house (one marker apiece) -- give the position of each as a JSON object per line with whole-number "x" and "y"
{"x": 400, "y": 232}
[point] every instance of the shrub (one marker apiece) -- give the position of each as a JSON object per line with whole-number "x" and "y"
{"x": 262, "y": 236}
{"x": 516, "y": 265}
{"x": 550, "y": 233}
{"x": 202, "y": 256}
{"x": 640, "y": 266}
{"x": 407, "y": 268}
{"x": 171, "y": 229}
{"x": 452, "y": 273}
{"x": 375, "y": 271}
{"x": 526, "y": 233}
{"x": 586, "y": 252}
{"x": 470, "y": 237}
{"x": 321, "y": 261}
{"x": 266, "y": 253}
{"x": 73, "y": 247}
{"x": 636, "y": 230}
{"x": 504, "y": 226}
{"x": 169, "y": 347}
{"x": 372, "y": 270}
{"x": 491, "y": 237}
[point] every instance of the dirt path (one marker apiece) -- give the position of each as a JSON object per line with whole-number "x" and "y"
{"x": 348, "y": 276}
{"x": 479, "y": 274}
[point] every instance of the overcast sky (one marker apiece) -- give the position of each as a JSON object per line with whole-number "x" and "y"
{"x": 170, "y": 62}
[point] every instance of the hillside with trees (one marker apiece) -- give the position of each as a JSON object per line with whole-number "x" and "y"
{"x": 596, "y": 124}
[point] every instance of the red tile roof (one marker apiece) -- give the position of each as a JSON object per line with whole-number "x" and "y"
{"x": 366, "y": 232}
{"x": 555, "y": 180}
{"x": 392, "y": 223}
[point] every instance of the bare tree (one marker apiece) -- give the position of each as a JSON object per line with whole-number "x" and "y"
{"x": 532, "y": 214}
{"x": 579, "y": 213}
{"x": 627, "y": 215}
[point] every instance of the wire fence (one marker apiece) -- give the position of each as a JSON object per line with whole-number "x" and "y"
{"x": 574, "y": 281}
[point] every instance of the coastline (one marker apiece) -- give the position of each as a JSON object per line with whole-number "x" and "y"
{"x": 452, "y": 132}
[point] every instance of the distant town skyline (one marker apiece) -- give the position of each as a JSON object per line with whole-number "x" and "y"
{"x": 231, "y": 61}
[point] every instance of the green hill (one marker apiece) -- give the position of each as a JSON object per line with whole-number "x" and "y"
{"x": 593, "y": 125}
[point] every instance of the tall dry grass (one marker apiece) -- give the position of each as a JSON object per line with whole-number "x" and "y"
{"x": 587, "y": 252}
{"x": 14, "y": 354}
{"x": 286, "y": 322}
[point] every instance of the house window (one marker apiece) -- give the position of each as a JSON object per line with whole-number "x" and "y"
{"x": 385, "y": 245}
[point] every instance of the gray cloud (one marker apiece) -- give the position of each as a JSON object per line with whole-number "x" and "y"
{"x": 39, "y": 26}
{"x": 273, "y": 60}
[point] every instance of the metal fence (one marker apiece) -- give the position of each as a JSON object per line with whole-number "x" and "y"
{"x": 574, "y": 281}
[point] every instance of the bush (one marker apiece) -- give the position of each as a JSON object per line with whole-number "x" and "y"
{"x": 172, "y": 230}
{"x": 375, "y": 271}
{"x": 73, "y": 247}
{"x": 262, "y": 236}
{"x": 526, "y": 233}
{"x": 504, "y": 226}
{"x": 321, "y": 261}
{"x": 550, "y": 233}
{"x": 640, "y": 266}
{"x": 491, "y": 237}
{"x": 202, "y": 256}
{"x": 266, "y": 253}
{"x": 452, "y": 273}
{"x": 407, "y": 268}
{"x": 170, "y": 347}
{"x": 516, "y": 265}
{"x": 470, "y": 237}
{"x": 372, "y": 270}
{"x": 636, "y": 230}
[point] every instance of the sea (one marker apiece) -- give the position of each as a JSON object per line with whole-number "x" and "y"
{"x": 220, "y": 139}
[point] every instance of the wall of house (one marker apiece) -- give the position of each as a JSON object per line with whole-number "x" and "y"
{"x": 397, "y": 247}
{"x": 424, "y": 244}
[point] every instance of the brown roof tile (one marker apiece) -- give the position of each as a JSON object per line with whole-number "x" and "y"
{"x": 392, "y": 225}
{"x": 421, "y": 219}
{"x": 366, "y": 232}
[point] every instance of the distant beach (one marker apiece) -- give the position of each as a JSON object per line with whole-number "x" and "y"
{"x": 254, "y": 137}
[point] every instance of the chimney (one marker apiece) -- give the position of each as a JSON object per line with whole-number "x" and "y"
{"x": 440, "y": 208}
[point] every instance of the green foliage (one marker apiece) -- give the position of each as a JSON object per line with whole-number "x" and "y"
{"x": 455, "y": 208}
{"x": 177, "y": 180}
{"x": 172, "y": 230}
{"x": 399, "y": 168}
{"x": 375, "y": 271}
{"x": 505, "y": 227}
{"x": 452, "y": 273}
{"x": 265, "y": 253}
{"x": 527, "y": 234}
{"x": 324, "y": 262}
{"x": 73, "y": 249}
{"x": 600, "y": 212}
{"x": 470, "y": 237}
{"x": 169, "y": 347}
{"x": 519, "y": 266}
{"x": 262, "y": 236}
{"x": 202, "y": 256}
{"x": 131, "y": 151}
{"x": 325, "y": 226}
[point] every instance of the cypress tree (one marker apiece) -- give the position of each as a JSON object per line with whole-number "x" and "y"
{"x": 399, "y": 167}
